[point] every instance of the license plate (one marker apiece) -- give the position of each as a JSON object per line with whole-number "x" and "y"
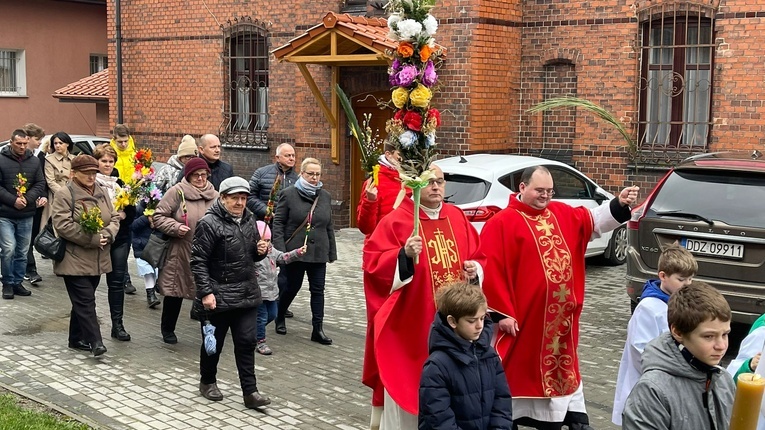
{"x": 717, "y": 249}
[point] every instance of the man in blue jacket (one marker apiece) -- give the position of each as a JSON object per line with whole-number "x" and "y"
{"x": 21, "y": 184}
{"x": 270, "y": 179}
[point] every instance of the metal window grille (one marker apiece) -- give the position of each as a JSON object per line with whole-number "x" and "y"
{"x": 677, "y": 54}
{"x": 8, "y": 72}
{"x": 245, "y": 57}
{"x": 98, "y": 63}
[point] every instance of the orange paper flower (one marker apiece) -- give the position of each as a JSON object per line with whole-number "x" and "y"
{"x": 405, "y": 49}
{"x": 425, "y": 53}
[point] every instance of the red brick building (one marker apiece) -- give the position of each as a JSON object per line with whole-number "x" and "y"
{"x": 684, "y": 77}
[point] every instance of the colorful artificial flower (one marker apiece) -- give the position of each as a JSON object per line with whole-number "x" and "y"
{"x": 400, "y": 97}
{"x": 408, "y": 29}
{"x": 413, "y": 120}
{"x": 420, "y": 96}
{"x": 429, "y": 76}
{"x": 405, "y": 49}
{"x": 407, "y": 75}
{"x": 434, "y": 115}
{"x": 425, "y": 53}
{"x": 20, "y": 184}
{"x": 407, "y": 139}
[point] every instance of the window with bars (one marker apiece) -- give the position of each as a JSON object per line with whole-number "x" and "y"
{"x": 12, "y": 73}
{"x": 246, "y": 90}
{"x": 677, "y": 57}
{"x": 98, "y": 63}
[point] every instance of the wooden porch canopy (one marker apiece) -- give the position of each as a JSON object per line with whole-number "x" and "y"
{"x": 340, "y": 40}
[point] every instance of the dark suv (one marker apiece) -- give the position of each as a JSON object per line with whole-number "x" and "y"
{"x": 714, "y": 205}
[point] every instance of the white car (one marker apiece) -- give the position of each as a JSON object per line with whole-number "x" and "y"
{"x": 83, "y": 143}
{"x": 481, "y": 185}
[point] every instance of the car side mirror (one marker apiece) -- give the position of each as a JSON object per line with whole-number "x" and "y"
{"x": 600, "y": 197}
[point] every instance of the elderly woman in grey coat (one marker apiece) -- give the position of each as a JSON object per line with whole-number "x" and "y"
{"x": 177, "y": 214}
{"x": 304, "y": 217}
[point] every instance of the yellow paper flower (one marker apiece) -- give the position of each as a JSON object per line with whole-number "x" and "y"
{"x": 420, "y": 96}
{"x": 145, "y": 171}
{"x": 376, "y": 174}
{"x": 400, "y": 97}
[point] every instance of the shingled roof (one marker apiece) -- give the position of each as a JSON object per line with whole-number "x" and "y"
{"x": 366, "y": 39}
{"x": 93, "y": 88}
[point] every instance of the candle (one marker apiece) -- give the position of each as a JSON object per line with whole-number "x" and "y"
{"x": 746, "y": 407}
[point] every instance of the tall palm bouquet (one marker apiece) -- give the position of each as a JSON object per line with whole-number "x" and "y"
{"x": 413, "y": 79}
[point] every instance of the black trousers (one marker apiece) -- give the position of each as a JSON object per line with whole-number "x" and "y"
{"x": 243, "y": 324}
{"x": 171, "y": 308}
{"x": 115, "y": 280}
{"x": 31, "y": 263}
{"x": 293, "y": 275}
{"x": 83, "y": 324}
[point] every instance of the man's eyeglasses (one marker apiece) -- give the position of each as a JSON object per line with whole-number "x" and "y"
{"x": 313, "y": 174}
{"x": 545, "y": 192}
{"x": 440, "y": 182}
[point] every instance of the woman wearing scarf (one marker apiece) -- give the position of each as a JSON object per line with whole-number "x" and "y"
{"x": 304, "y": 217}
{"x": 115, "y": 280}
{"x": 177, "y": 214}
{"x": 87, "y": 254}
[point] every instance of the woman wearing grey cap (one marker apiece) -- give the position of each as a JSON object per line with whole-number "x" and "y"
{"x": 226, "y": 244}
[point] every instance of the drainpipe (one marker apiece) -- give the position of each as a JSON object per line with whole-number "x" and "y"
{"x": 118, "y": 13}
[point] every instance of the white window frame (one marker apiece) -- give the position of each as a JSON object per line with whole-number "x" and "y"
{"x": 21, "y": 74}
{"x": 102, "y": 61}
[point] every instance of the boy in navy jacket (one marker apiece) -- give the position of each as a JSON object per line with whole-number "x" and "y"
{"x": 463, "y": 384}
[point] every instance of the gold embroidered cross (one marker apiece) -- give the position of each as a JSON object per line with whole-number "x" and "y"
{"x": 547, "y": 227}
{"x": 562, "y": 293}
{"x": 556, "y": 345}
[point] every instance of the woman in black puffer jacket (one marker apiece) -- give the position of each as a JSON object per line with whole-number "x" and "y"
{"x": 226, "y": 243}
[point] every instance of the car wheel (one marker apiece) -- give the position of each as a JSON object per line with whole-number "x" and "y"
{"x": 617, "y": 247}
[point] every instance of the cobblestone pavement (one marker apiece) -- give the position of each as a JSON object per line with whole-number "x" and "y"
{"x": 147, "y": 384}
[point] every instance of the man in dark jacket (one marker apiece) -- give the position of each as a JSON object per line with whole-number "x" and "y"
{"x": 209, "y": 150}
{"x": 226, "y": 243}
{"x": 463, "y": 383}
{"x": 268, "y": 180}
{"x": 21, "y": 184}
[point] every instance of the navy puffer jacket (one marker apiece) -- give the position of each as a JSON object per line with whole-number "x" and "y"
{"x": 463, "y": 384}
{"x": 222, "y": 255}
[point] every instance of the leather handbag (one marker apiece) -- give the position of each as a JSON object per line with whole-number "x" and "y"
{"x": 47, "y": 243}
{"x": 155, "y": 251}
{"x": 50, "y": 245}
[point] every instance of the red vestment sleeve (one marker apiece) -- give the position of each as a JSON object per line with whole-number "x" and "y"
{"x": 366, "y": 211}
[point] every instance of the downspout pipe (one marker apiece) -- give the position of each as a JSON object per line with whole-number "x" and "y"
{"x": 118, "y": 39}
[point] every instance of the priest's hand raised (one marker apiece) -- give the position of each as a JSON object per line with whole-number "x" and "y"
{"x": 509, "y": 325}
{"x": 413, "y": 246}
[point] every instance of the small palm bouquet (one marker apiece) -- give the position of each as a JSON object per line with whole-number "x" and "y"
{"x": 370, "y": 144}
{"x": 127, "y": 195}
{"x": 20, "y": 184}
{"x": 90, "y": 220}
{"x": 151, "y": 199}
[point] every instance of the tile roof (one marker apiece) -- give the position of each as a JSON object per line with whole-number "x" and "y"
{"x": 94, "y": 87}
{"x": 369, "y": 34}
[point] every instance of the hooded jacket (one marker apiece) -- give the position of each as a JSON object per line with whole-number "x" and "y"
{"x": 222, "y": 256}
{"x": 169, "y": 174}
{"x": 125, "y": 158}
{"x": 672, "y": 394}
{"x": 10, "y": 166}
{"x": 463, "y": 385}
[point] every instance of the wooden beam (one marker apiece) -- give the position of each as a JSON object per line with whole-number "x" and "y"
{"x": 317, "y": 94}
{"x": 350, "y": 59}
{"x": 335, "y": 131}
{"x": 333, "y": 44}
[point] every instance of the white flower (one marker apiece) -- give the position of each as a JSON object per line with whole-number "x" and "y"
{"x": 407, "y": 139}
{"x": 431, "y": 25}
{"x": 408, "y": 29}
{"x": 430, "y": 140}
{"x": 393, "y": 20}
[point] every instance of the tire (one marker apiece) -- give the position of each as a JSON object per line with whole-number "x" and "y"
{"x": 617, "y": 247}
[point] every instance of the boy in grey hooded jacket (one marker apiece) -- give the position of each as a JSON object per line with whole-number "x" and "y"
{"x": 683, "y": 386}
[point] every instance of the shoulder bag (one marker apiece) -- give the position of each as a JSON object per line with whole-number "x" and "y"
{"x": 155, "y": 252}
{"x": 50, "y": 245}
{"x": 305, "y": 221}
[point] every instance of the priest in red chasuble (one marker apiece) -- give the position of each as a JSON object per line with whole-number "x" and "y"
{"x": 404, "y": 273}
{"x": 534, "y": 282}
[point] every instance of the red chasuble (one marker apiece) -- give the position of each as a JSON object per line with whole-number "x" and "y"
{"x": 534, "y": 272}
{"x": 398, "y": 348}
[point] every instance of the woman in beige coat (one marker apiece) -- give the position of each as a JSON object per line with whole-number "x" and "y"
{"x": 87, "y": 254}
{"x": 177, "y": 214}
{"x": 57, "y": 168}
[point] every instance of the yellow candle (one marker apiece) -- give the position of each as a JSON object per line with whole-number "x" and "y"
{"x": 746, "y": 407}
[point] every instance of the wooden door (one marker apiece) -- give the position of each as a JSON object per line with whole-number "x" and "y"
{"x": 365, "y": 103}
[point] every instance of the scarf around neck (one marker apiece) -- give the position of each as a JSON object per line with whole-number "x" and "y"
{"x": 110, "y": 183}
{"x": 308, "y": 190}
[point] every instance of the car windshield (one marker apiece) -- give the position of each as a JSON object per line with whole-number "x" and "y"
{"x": 464, "y": 189}
{"x": 725, "y": 196}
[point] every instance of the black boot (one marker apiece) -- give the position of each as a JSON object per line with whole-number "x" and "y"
{"x": 19, "y": 290}
{"x": 116, "y": 307}
{"x": 151, "y": 299}
{"x": 129, "y": 288}
{"x": 318, "y": 335}
{"x": 97, "y": 348}
{"x": 280, "y": 325}
{"x": 7, "y": 291}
